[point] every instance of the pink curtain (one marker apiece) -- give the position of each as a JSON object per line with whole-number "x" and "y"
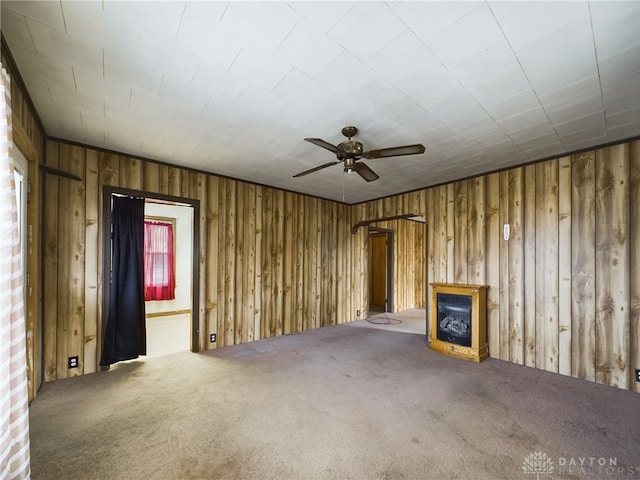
{"x": 14, "y": 406}
{"x": 159, "y": 276}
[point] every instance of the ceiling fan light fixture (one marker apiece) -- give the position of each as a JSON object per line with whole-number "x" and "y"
{"x": 350, "y": 151}
{"x": 348, "y": 164}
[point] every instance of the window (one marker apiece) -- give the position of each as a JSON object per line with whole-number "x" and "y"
{"x": 159, "y": 271}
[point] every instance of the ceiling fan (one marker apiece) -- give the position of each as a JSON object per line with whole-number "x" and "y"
{"x": 350, "y": 151}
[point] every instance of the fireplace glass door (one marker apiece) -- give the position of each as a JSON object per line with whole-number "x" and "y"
{"x": 454, "y": 319}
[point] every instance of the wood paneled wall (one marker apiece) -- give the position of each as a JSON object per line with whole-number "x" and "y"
{"x": 564, "y": 290}
{"x": 28, "y": 138}
{"x": 270, "y": 263}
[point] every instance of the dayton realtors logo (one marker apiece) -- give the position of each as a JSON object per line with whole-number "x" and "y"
{"x": 537, "y": 463}
{"x": 540, "y": 464}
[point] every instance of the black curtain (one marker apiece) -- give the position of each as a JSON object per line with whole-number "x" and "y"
{"x": 125, "y": 335}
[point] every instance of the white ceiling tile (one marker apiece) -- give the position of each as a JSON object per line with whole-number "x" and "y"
{"x": 92, "y": 83}
{"x": 535, "y": 21}
{"x": 568, "y": 113}
{"x": 546, "y": 151}
{"x": 583, "y": 89}
{"x": 559, "y": 59}
{"x": 32, "y": 65}
{"x": 94, "y": 24}
{"x": 623, "y": 132}
{"x": 166, "y": 56}
{"x": 506, "y": 85}
{"x": 186, "y": 95}
{"x": 476, "y": 128}
{"x": 40, "y": 89}
{"x": 618, "y": 36}
{"x": 308, "y": 48}
{"x": 589, "y": 122}
{"x": 224, "y": 85}
{"x": 14, "y": 27}
{"x": 630, "y": 117}
{"x": 622, "y": 85}
{"x": 615, "y": 104}
{"x": 75, "y": 100}
{"x": 501, "y": 9}
{"x": 431, "y": 86}
{"x": 255, "y": 100}
{"x": 489, "y": 140}
{"x": 100, "y": 122}
{"x": 55, "y": 44}
{"x": 437, "y": 134}
{"x": 584, "y": 138}
{"x": 470, "y": 35}
{"x": 403, "y": 111}
{"x": 487, "y": 65}
{"x": 46, "y": 13}
{"x": 222, "y": 111}
{"x": 346, "y": 74}
{"x": 322, "y": 14}
{"x": 549, "y": 140}
{"x": 367, "y": 28}
{"x": 459, "y": 112}
{"x": 332, "y": 107}
{"x": 114, "y": 111}
{"x": 266, "y": 22}
{"x": 122, "y": 69}
{"x": 507, "y": 107}
{"x": 402, "y": 56}
{"x": 623, "y": 62}
{"x": 376, "y": 91}
{"x": 150, "y": 102}
{"x": 234, "y": 87}
{"x": 256, "y": 62}
{"x": 607, "y": 16}
{"x": 154, "y": 19}
{"x": 213, "y": 44}
{"x": 527, "y": 119}
{"x": 298, "y": 88}
{"x": 427, "y": 19}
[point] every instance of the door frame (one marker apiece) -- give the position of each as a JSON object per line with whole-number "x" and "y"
{"x": 389, "y": 307}
{"x": 107, "y": 212}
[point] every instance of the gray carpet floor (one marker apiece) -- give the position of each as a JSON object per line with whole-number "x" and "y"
{"x": 339, "y": 402}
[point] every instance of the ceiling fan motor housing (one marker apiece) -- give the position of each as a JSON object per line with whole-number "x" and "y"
{"x": 351, "y": 149}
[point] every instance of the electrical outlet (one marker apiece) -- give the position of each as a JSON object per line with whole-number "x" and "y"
{"x": 212, "y": 338}
{"x": 637, "y": 374}
{"x": 73, "y": 362}
{"x": 358, "y": 312}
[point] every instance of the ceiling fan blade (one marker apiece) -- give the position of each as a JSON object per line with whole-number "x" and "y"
{"x": 321, "y": 143}
{"x": 395, "y": 151}
{"x": 365, "y": 172}
{"x": 314, "y": 169}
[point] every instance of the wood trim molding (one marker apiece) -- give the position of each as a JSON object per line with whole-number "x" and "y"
{"x": 169, "y": 313}
{"x": 23, "y": 142}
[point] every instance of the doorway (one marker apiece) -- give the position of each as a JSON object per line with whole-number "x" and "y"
{"x": 380, "y": 270}
{"x": 171, "y": 323}
{"x": 168, "y": 322}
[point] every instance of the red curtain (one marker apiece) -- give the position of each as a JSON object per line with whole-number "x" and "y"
{"x": 159, "y": 277}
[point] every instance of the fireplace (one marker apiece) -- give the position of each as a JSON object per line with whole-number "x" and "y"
{"x": 458, "y": 323}
{"x": 454, "y": 318}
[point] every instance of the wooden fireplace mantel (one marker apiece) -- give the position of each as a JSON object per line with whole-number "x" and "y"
{"x": 478, "y": 350}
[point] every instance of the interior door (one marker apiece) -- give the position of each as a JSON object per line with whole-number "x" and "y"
{"x": 377, "y": 272}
